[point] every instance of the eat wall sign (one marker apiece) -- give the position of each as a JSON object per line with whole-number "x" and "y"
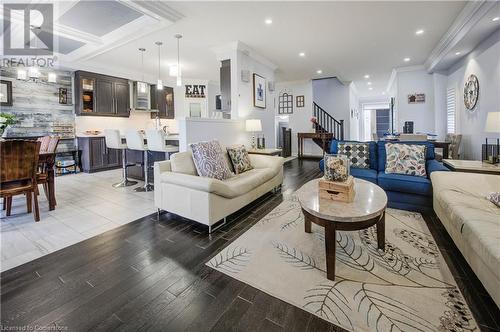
{"x": 195, "y": 91}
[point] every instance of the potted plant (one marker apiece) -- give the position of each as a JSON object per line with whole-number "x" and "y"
{"x": 6, "y": 120}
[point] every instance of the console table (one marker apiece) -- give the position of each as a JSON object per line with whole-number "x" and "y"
{"x": 324, "y": 137}
{"x": 267, "y": 152}
{"x": 472, "y": 166}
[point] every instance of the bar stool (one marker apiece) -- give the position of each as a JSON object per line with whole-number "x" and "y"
{"x": 135, "y": 141}
{"x": 157, "y": 142}
{"x": 114, "y": 141}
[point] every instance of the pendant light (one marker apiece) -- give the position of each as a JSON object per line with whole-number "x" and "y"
{"x": 179, "y": 79}
{"x": 141, "y": 86}
{"x": 159, "y": 84}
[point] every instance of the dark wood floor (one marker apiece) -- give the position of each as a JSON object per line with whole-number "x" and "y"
{"x": 151, "y": 275}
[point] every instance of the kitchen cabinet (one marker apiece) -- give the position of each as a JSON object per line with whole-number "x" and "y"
{"x": 95, "y": 156}
{"x": 101, "y": 95}
{"x": 163, "y": 100}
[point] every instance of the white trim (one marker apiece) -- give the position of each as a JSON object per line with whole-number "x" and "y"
{"x": 465, "y": 21}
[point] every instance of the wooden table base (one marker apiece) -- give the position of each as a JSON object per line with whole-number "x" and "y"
{"x": 331, "y": 228}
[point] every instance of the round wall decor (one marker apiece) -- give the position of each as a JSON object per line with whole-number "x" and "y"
{"x": 471, "y": 92}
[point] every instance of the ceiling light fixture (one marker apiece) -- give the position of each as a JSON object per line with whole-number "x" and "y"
{"x": 179, "y": 79}
{"x": 142, "y": 86}
{"x": 268, "y": 21}
{"x": 159, "y": 84}
{"x": 302, "y": 54}
{"x": 319, "y": 71}
{"x": 369, "y": 83}
{"x": 383, "y": 92}
{"x": 495, "y": 19}
{"x": 51, "y": 77}
{"x": 419, "y": 32}
{"x": 367, "y": 76}
{"x": 406, "y": 59}
{"x": 457, "y": 53}
{"x": 370, "y": 88}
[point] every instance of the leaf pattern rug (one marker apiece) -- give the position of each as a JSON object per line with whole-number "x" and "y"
{"x": 406, "y": 288}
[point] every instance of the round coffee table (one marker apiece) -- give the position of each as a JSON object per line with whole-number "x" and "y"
{"x": 367, "y": 209}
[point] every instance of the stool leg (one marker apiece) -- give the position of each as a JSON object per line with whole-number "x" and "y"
{"x": 147, "y": 186}
{"x": 125, "y": 181}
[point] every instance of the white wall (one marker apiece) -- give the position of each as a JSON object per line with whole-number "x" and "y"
{"x": 422, "y": 115}
{"x": 355, "y": 117}
{"x": 299, "y": 121}
{"x": 333, "y": 96}
{"x": 484, "y": 62}
{"x": 439, "y": 83}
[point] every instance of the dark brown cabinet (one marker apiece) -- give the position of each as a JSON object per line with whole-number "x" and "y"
{"x": 163, "y": 100}
{"x": 95, "y": 156}
{"x": 101, "y": 95}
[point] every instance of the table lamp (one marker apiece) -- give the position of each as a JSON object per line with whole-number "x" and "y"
{"x": 253, "y": 126}
{"x": 493, "y": 126}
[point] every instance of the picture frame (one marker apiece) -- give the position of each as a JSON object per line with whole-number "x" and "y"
{"x": 285, "y": 103}
{"x": 300, "y": 101}
{"x": 5, "y": 93}
{"x": 259, "y": 91}
{"x": 63, "y": 96}
{"x": 416, "y": 98}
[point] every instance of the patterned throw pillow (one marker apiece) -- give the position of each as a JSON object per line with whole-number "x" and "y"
{"x": 209, "y": 160}
{"x": 494, "y": 198}
{"x": 406, "y": 159}
{"x": 239, "y": 158}
{"x": 357, "y": 153}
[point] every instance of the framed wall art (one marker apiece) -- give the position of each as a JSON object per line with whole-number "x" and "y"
{"x": 285, "y": 103}
{"x": 5, "y": 93}
{"x": 416, "y": 98}
{"x": 259, "y": 91}
{"x": 300, "y": 101}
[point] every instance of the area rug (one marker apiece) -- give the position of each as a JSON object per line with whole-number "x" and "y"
{"x": 406, "y": 288}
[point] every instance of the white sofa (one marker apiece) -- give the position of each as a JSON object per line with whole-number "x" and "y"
{"x": 472, "y": 221}
{"x": 179, "y": 189}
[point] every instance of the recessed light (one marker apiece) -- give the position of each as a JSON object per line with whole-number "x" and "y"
{"x": 370, "y": 88}
{"x": 302, "y": 54}
{"x": 369, "y": 83}
{"x": 319, "y": 71}
{"x": 367, "y": 76}
{"x": 268, "y": 21}
{"x": 457, "y": 53}
{"x": 495, "y": 19}
{"x": 406, "y": 59}
{"x": 419, "y": 32}
{"x": 383, "y": 92}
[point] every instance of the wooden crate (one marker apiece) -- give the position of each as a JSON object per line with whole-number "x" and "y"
{"x": 337, "y": 191}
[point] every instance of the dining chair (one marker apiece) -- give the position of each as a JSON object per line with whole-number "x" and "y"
{"x": 135, "y": 141}
{"x": 157, "y": 141}
{"x": 18, "y": 168}
{"x": 114, "y": 141}
{"x": 45, "y": 173}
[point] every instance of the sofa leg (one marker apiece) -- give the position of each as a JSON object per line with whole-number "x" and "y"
{"x": 158, "y": 212}
{"x": 213, "y": 229}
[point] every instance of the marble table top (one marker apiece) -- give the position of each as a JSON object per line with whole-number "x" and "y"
{"x": 370, "y": 201}
{"x": 472, "y": 165}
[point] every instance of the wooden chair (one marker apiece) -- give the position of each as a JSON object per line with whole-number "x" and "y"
{"x": 43, "y": 175}
{"x": 18, "y": 168}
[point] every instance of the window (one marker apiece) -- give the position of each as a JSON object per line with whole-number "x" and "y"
{"x": 450, "y": 111}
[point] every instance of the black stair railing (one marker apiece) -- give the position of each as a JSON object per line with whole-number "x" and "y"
{"x": 325, "y": 123}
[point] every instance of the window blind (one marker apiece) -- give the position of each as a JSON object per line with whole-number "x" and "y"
{"x": 450, "y": 111}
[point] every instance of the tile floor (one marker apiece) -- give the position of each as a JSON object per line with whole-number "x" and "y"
{"x": 87, "y": 205}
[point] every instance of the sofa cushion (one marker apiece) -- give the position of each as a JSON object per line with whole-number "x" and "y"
{"x": 406, "y": 159}
{"x": 210, "y": 161}
{"x": 357, "y": 153}
{"x": 182, "y": 162}
{"x": 334, "y": 148}
{"x": 462, "y": 198}
{"x": 382, "y": 156}
{"x": 239, "y": 158}
{"x": 405, "y": 183}
{"x": 235, "y": 186}
{"x": 367, "y": 174}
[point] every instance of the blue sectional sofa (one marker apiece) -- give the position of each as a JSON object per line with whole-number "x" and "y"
{"x": 406, "y": 192}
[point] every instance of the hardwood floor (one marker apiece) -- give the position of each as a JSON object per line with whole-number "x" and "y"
{"x": 151, "y": 275}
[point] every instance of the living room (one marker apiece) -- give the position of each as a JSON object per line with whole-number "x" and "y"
{"x": 250, "y": 166}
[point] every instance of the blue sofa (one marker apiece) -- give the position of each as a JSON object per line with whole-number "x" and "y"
{"x": 406, "y": 192}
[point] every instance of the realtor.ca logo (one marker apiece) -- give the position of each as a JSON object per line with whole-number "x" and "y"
{"x": 28, "y": 29}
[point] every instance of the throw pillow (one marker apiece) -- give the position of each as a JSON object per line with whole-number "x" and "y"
{"x": 209, "y": 160}
{"x": 494, "y": 198}
{"x": 239, "y": 159}
{"x": 357, "y": 153}
{"x": 406, "y": 159}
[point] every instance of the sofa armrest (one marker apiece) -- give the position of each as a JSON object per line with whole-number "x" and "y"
{"x": 263, "y": 161}
{"x": 195, "y": 182}
{"x": 432, "y": 165}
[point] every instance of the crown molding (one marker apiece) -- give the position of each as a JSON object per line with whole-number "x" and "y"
{"x": 468, "y": 18}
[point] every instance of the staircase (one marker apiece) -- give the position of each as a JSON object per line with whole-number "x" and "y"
{"x": 326, "y": 127}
